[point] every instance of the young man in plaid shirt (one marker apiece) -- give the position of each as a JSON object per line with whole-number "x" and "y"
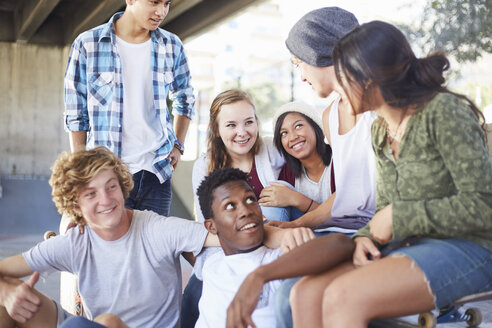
{"x": 117, "y": 80}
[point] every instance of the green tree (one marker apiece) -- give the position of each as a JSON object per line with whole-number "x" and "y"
{"x": 461, "y": 28}
{"x": 479, "y": 93}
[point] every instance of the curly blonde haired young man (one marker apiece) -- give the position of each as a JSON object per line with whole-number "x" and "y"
{"x": 72, "y": 173}
{"x": 127, "y": 261}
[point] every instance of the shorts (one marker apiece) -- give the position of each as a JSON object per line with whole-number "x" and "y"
{"x": 454, "y": 268}
{"x": 62, "y": 315}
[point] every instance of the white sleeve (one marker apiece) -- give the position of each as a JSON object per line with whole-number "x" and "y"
{"x": 275, "y": 158}
{"x": 199, "y": 173}
{"x": 269, "y": 162}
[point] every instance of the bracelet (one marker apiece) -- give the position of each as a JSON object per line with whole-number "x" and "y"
{"x": 309, "y": 206}
{"x": 179, "y": 143}
{"x": 179, "y": 146}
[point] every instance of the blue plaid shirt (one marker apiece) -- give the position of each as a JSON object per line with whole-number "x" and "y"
{"x": 94, "y": 89}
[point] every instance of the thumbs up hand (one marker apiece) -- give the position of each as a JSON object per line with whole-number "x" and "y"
{"x": 21, "y": 301}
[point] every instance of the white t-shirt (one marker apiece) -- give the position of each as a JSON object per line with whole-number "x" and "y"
{"x": 222, "y": 276}
{"x": 137, "y": 277}
{"x": 142, "y": 131}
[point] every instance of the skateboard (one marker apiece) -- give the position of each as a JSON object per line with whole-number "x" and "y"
{"x": 453, "y": 313}
{"x": 69, "y": 295}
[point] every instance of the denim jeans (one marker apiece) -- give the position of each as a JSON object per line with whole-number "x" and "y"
{"x": 453, "y": 267}
{"x": 189, "y": 305}
{"x": 80, "y": 322}
{"x": 283, "y": 312}
{"x": 275, "y": 213}
{"x": 149, "y": 194}
{"x": 285, "y": 214}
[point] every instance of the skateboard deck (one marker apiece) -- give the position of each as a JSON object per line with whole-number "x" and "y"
{"x": 454, "y": 313}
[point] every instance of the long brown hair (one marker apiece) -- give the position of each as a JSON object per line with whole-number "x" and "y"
{"x": 378, "y": 54}
{"x": 217, "y": 154}
{"x": 294, "y": 164}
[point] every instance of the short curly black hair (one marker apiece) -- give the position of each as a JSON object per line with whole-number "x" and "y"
{"x": 214, "y": 180}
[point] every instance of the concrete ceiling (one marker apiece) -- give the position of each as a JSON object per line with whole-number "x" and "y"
{"x": 58, "y": 22}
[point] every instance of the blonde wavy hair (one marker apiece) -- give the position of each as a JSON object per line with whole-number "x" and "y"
{"x": 73, "y": 171}
{"x": 217, "y": 153}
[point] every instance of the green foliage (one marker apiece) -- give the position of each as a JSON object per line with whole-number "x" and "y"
{"x": 484, "y": 93}
{"x": 461, "y": 28}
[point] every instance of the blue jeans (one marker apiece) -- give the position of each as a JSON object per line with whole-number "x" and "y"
{"x": 283, "y": 312}
{"x": 285, "y": 214}
{"x": 189, "y": 305}
{"x": 80, "y": 322}
{"x": 149, "y": 194}
{"x": 453, "y": 267}
{"x": 275, "y": 213}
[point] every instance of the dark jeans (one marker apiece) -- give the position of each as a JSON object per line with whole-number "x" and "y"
{"x": 149, "y": 194}
{"x": 189, "y": 306}
{"x": 80, "y": 322}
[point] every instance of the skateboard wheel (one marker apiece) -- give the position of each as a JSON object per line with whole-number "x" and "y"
{"x": 474, "y": 317}
{"x": 427, "y": 320}
{"x": 49, "y": 234}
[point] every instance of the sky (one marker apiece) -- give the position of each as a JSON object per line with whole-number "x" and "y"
{"x": 395, "y": 11}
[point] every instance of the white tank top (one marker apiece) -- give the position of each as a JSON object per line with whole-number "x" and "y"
{"x": 142, "y": 131}
{"x": 354, "y": 165}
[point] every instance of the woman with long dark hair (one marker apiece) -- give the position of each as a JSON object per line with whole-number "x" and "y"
{"x": 430, "y": 241}
{"x": 298, "y": 136}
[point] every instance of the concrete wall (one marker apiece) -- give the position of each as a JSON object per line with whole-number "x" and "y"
{"x": 31, "y": 125}
{"x": 31, "y": 108}
{"x": 183, "y": 195}
{"x": 26, "y": 207}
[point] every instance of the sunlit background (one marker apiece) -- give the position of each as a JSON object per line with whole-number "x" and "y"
{"x": 248, "y": 52}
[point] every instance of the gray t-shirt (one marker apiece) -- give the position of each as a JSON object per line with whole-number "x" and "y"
{"x": 317, "y": 191}
{"x": 137, "y": 277}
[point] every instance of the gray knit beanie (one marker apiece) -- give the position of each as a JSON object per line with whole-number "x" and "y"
{"x": 314, "y": 36}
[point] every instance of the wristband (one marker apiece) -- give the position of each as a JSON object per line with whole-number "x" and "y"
{"x": 179, "y": 146}
{"x": 309, "y": 206}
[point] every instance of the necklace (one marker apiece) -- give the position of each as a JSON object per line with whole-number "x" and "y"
{"x": 397, "y": 135}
